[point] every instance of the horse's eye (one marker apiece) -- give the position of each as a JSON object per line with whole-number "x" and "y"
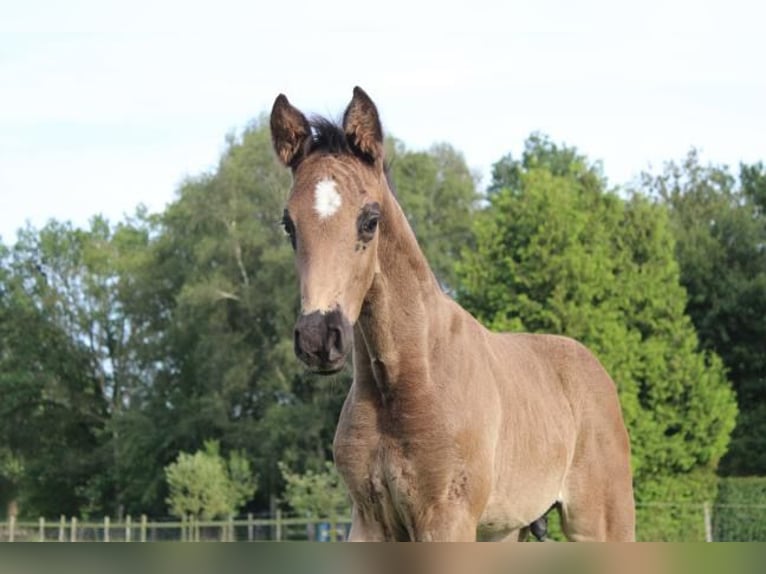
{"x": 289, "y": 227}
{"x": 368, "y": 221}
{"x": 370, "y": 225}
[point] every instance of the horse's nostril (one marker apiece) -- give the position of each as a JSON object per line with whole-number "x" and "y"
{"x": 334, "y": 337}
{"x": 334, "y": 343}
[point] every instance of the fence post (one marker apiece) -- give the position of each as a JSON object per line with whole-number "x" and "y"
{"x": 333, "y": 527}
{"x": 708, "y": 522}
{"x": 42, "y": 529}
{"x": 231, "y": 528}
{"x": 128, "y": 528}
{"x": 11, "y": 527}
{"x": 106, "y": 528}
{"x": 62, "y": 528}
{"x": 249, "y": 526}
{"x": 278, "y": 536}
{"x": 73, "y": 524}
{"x": 144, "y": 521}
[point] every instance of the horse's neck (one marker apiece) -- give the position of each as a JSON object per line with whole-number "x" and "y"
{"x": 391, "y": 335}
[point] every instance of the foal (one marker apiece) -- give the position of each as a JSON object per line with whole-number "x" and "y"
{"x": 448, "y": 431}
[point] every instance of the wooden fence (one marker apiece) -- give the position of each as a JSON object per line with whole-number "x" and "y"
{"x": 672, "y": 522}
{"x": 142, "y": 529}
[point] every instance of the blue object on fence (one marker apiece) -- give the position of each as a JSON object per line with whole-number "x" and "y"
{"x": 323, "y": 531}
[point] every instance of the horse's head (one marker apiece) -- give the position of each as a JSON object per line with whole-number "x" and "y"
{"x": 332, "y": 217}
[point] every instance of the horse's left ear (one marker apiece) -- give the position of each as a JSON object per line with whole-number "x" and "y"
{"x": 362, "y": 126}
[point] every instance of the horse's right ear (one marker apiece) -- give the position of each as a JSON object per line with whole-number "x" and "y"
{"x": 290, "y": 132}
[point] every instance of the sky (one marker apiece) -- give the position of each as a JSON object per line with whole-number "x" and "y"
{"x": 108, "y": 105}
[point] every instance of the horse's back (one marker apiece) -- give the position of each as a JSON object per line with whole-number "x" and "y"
{"x": 559, "y": 367}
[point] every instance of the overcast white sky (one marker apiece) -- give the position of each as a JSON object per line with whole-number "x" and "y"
{"x": 105, "y": 105}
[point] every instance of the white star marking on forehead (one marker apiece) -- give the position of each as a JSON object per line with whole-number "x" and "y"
{"x": 327, "y": 200}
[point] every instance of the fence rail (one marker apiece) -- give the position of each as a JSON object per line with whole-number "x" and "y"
{"x": 143, "y": 529}
{"x": 655, "y": 522}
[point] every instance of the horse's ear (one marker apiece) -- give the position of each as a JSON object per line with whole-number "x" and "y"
{"x": 362, "y": 126}
{"x": 290, "y": 132}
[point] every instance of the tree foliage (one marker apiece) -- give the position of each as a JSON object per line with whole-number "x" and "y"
{"x": 558, "y": 252}
{"x": 316, "y": 494}
{"x": 720, "y": 229}
{"x": 740, "y": 511}
{"x": 53, "y": 409}
{"x": 438, "y": 193}
{"x": 205, "y": 485}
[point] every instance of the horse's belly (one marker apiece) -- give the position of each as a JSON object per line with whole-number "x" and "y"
{"x": 497, "y": 522}
{"x": 524, "y": 491}
{"x": 502, "y": 516}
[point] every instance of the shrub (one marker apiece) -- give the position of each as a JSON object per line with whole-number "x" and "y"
{"x": 740, "y": 509}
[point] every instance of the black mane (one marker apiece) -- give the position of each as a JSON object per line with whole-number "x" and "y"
{"x": 328, "y": 137}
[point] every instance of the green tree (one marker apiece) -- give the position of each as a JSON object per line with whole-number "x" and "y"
{"x": 558, "y": 252}
{"x": 11, "y": 476}
{"x": 753, "y": 181}
{"x": 316, "y": 494}
{"x": 83, "y": 282}
{"x": 204, "y": 485}
{"x": 52, "y": 412}
{"x": 720, "y": 228}
{"x": 438, "y": 193}
{"x": 540, "y": 152}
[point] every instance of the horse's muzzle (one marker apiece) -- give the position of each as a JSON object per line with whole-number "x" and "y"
{"x": 323, "y": 340}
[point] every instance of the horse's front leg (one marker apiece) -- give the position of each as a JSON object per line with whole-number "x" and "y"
{"x": 364, "y": 530}
{"x": 447, "y": 522}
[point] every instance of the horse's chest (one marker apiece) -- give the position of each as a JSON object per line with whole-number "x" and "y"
{"x": 395, "y": 477}
{"x": 385, "y": 488}
{"x": 397, "y": 461}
